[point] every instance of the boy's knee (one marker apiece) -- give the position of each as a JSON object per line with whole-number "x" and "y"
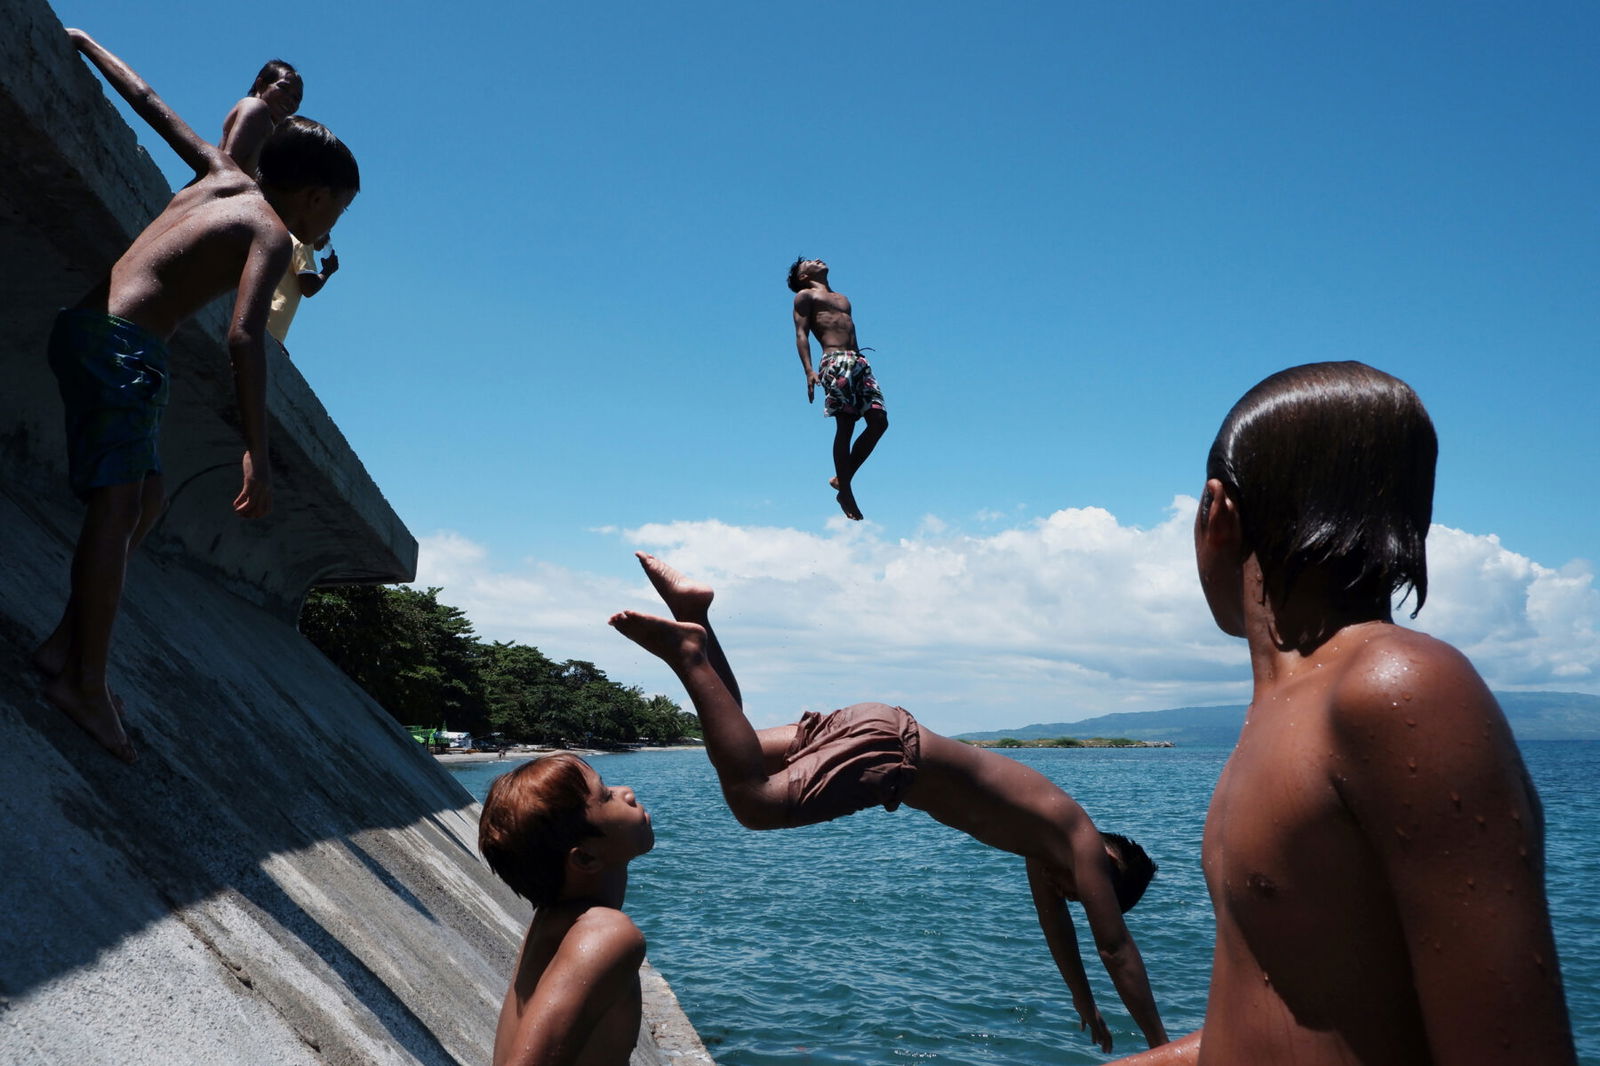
{"x": 877, "y": 421}
{"x": 754, "y": 809}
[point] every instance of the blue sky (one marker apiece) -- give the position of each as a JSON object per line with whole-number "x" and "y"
{"x": 1075, "y": 234}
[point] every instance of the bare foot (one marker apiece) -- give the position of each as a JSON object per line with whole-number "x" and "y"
{"x": 847, "y": 504}
{"x": 95, "y": 713}
{"x": 675, "y": 643}
{"x": 50, "y": 659}
{"x": 687, "y": 600}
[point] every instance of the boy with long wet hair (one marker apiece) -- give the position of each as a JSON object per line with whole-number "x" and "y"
{"x": 870, "y": 754}
{"x": 1374, "y": 848}
{"x": 558, "y": 836}
{"x": 221, "y": 232}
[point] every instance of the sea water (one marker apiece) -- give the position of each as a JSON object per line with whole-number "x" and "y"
{"x": 886, "y": 938}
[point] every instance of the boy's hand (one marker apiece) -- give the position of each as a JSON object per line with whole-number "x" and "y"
{"x": 811, "y": 386}
{"x": 330, "y": 264}
{"x": 1098, "y": 1031}
{"x": 255, "y": 499}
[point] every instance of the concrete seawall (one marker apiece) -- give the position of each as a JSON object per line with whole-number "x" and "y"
{"x": 285, "y": 876}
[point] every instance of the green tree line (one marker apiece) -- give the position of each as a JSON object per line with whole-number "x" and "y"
{"x": 421, "y": 661}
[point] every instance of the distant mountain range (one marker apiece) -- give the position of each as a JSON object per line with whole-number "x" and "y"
{"x": 1533, "y": 716}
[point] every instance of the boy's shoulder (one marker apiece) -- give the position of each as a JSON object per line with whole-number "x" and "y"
{"x": 1388, "y": 665}
{"x": 226, "y": 206}
{"x": 1400, "y": 691}
{"x": 604, "y": 937}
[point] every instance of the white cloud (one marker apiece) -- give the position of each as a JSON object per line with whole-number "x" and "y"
{"x": 1522, "y": 624}
{"x": 1052, "y": 619}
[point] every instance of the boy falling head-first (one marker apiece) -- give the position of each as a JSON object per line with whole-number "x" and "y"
{"x": 849, "y": 391}
{"x": 220, "y": 232}
{"x": 553, "y": 831}
{"x": 869, "y": 754}
{"x": 1374, "y": 848}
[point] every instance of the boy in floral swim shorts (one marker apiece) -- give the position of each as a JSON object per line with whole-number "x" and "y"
{"x": 849, "y": 391}
{"x": 826, "y": 766}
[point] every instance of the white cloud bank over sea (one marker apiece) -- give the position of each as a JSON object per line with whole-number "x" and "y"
{"x": 1055, "y": 619}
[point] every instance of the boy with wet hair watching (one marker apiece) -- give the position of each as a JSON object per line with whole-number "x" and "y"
{"x": 1374, "y": 848}
{"x": 559, "y": 837}
{"x": 870, "y": 754}
{"x": 220, "y": 232}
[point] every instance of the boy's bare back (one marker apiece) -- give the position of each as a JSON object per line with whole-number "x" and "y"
{"x": 577, "y": 978}
{"x": 216, "y": 235}
{"x": 1425, "y": 862}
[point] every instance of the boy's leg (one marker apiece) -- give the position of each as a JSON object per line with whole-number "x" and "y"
{"x": 690, "y": 601}
{"x": 50, "y": 658}
{"x": 844, "y": 425}
{"x": 99, "y": 565}
{"x": 756, "y": 799}
{"x": 877, "y": 424}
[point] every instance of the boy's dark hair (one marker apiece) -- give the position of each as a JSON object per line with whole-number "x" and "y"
{"x": 271, "y": 71}
{"x": 794, "y": 273}
{"x": 302, "y": 153}
{"x": 1131, "y": 871}
{"x": 1332, "y": 466}
{"x": 532, "y": 817}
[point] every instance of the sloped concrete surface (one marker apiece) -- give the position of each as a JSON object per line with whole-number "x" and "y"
{"x": 285, "y": 876}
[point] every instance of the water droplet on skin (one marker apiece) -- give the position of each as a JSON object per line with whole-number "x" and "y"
{"x": 1411, "y": 764}
{"x": 1455, "y": 800}
{"x": 1483, "y": 823}
{"x": 1411, "y": 723}
{"x": 1406, "y": 696}
{"x": 1472, "y": 886}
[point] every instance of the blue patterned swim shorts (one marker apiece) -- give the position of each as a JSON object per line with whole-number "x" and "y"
{"x": 113, "y": 380}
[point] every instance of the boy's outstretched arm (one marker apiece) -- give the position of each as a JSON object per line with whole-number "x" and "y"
{"x": 247, "y": 348}
{"x": 592, "y": 970}
{"x": 802, "y": 341}
{"x": 1115, "y": 944}
{"x": 1056, "y": 923}
{"x": 191, "y": 148}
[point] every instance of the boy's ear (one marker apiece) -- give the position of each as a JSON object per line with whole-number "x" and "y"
{"x": 1219, "y": 513}
{"x": 582, "y": 861}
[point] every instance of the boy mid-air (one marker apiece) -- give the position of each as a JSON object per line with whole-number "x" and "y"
{"x": 849, "y": 391}
{"x": 1374, "y": 848}
{"x": 220, "y": 232}
{"x": 555, "y": 833}
{"x": 869, "y": 754}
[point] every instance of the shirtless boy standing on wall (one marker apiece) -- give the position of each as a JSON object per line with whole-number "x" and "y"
{"x": 224, "y": 231}
{"x": 1374, "y": 848}
{"x": 849, "y": 391}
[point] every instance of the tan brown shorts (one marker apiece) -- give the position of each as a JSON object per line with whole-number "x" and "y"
{"x": 857, "y": 757}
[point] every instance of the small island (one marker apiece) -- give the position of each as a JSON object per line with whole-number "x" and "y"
{"x": 1070, "y": 742}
